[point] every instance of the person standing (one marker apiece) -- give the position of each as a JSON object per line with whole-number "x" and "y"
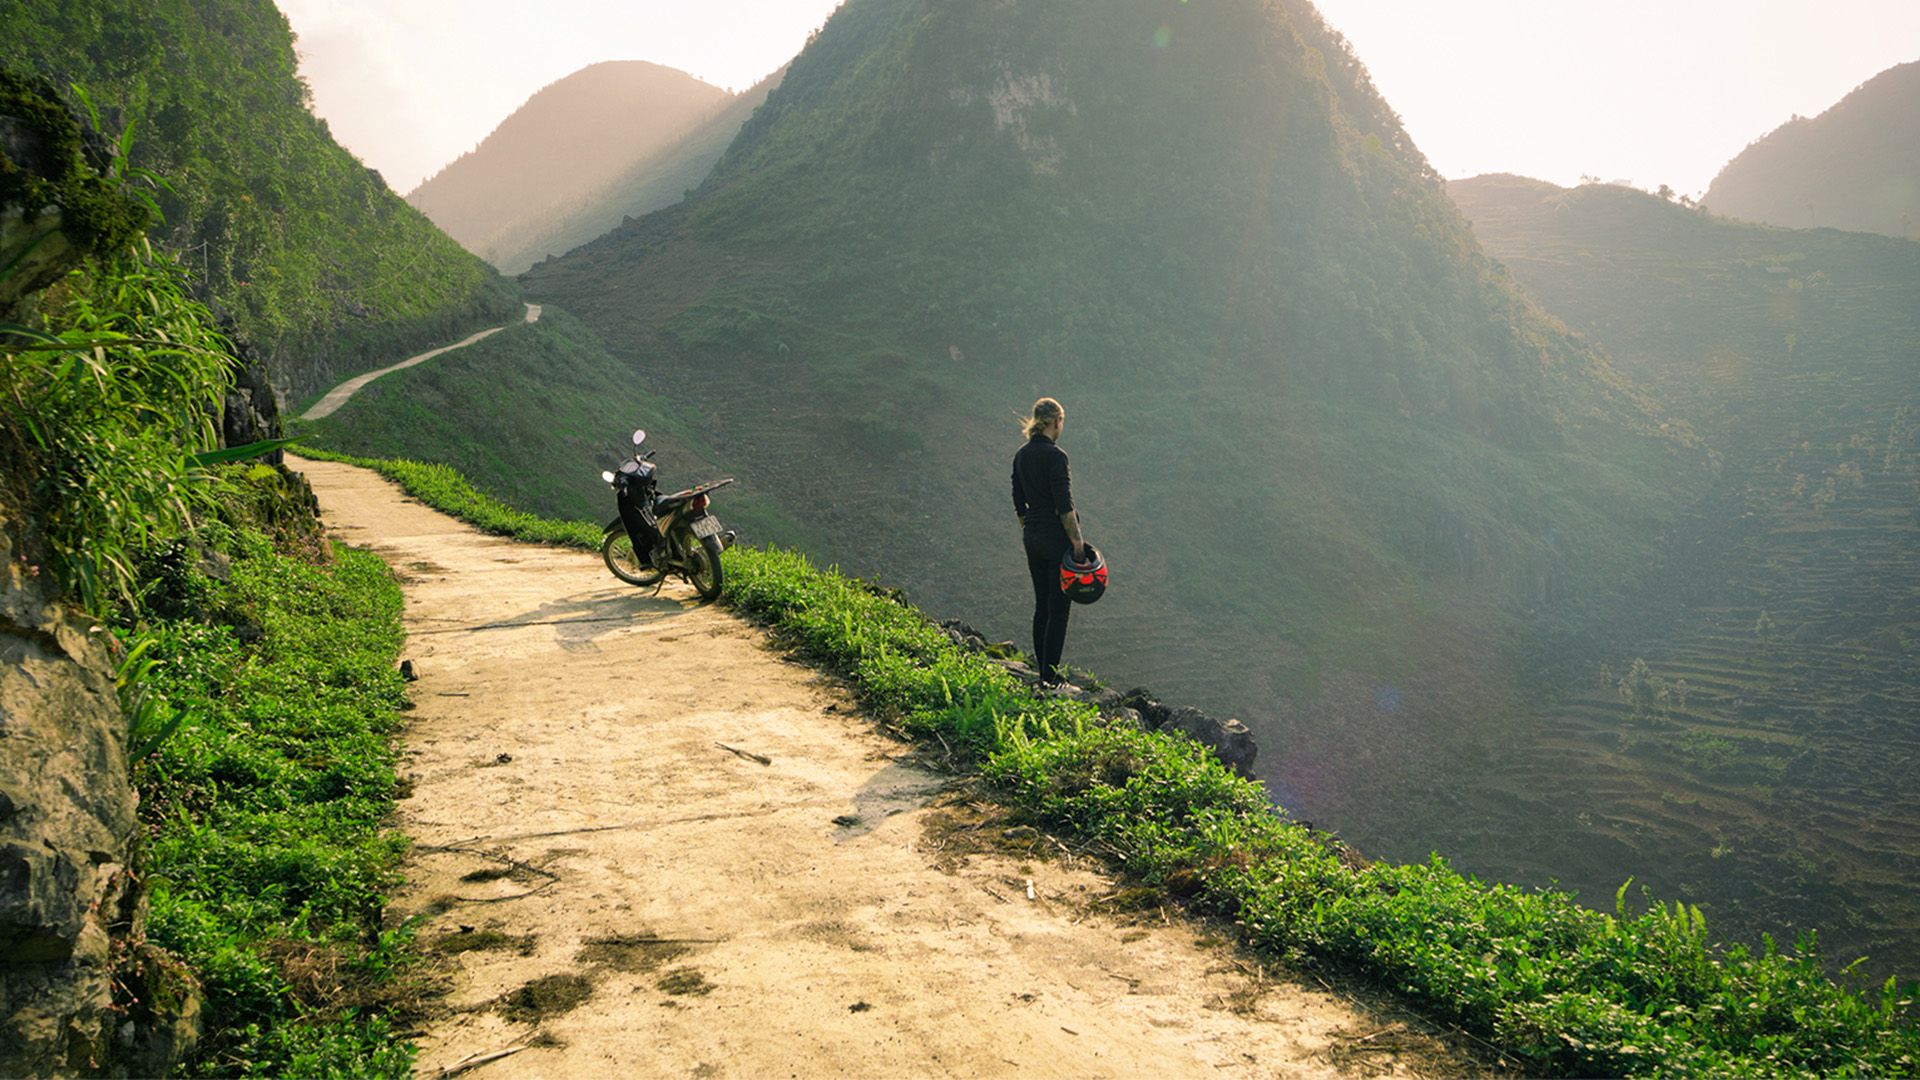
{"x": 1043, "y": 499}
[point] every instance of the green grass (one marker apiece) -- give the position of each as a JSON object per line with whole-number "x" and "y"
{"x": 259, "y": 687}
{"x": 1562, "y": 988}
{"x": 266, "y": 852}
{"x": 100, "y": 417}
{"x": 444, "y": 489}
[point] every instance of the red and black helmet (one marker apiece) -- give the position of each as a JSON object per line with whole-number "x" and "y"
{"x": 1083, "y": 582}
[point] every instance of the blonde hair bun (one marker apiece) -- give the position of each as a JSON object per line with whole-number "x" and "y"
{"x": 1045, "y": 412}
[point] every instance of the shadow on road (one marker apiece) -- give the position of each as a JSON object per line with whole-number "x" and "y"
{"x": 578, "y": 621}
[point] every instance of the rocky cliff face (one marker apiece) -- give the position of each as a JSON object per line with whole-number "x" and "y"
{"x": 71, "y": 907}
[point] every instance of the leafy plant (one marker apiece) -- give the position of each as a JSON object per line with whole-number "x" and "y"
{"x": 105, "y": 408}
{"x": 150, "y": 720}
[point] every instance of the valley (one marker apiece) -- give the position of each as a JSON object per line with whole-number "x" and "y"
{"x": 1560, "y": 545}
{"x": 1760, "y": 760}
{"x": 1419, "y": 561}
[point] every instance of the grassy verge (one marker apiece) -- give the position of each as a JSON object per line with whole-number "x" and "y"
{"x": 444, "y": 489}
{"x": 1563, "y": 988}
{"x": 263, "y": 808}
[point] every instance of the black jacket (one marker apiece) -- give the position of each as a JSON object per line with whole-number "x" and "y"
{"x": 1042, "y": 488}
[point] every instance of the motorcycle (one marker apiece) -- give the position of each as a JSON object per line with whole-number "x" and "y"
{"x": 659, "y": 534}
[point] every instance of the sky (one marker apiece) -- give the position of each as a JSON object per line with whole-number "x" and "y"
{"x": 1647, "y": 91}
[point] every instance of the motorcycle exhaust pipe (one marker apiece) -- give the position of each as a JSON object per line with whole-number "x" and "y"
{"x": 727, "y": 538}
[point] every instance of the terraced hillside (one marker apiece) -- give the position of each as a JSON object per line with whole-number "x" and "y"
{"x": 1765, "y": 756}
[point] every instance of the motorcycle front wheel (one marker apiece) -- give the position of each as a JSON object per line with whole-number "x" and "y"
{"x": 705, "y": 572}
{"x": 617, "y": 551}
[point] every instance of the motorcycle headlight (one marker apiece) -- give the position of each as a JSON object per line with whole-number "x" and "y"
{"x": 607, "y": 475}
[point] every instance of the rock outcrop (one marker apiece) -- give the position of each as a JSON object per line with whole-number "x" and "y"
{"x": 1230, "y": 740}
{"x": 56, "y": 204}
{"x": 71, "y": 906}
{"x": 252, "y": 409}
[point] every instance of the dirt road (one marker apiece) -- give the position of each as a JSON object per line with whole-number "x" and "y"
{"x": 339, "y": 395}
{"x": 650, "y": 846}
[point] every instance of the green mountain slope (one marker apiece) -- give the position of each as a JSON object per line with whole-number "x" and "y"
{"x": 533, "y": 414}
{"x": 320, "y": 268}
{"x": 566, "y": 143}
{"x": 1855, "y": 166}
{"x": 1784, "y": 785}
{"x": 1345, "y": 473}
{"x": 658, "y": 178}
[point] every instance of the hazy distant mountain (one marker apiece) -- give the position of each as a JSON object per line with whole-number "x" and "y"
{"x": 1778, "y": 781}
{"x": 1344, "y": 471}
{"x": 570, "y": 139}
{"x": 1855, "y": 166}
{"x": 659, "y": 178}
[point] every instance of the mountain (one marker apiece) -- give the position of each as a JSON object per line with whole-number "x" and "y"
{"x": 318, "y": 267}
{"x": 1347, "y": 475}
{"x": 1761, "y": 757}
{"x": 570, "y": 140}
{"x": 653, "y": 180}
{"x": 1855, "y": 166}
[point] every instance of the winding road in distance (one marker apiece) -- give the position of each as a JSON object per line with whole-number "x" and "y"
{"x": 339, "y": 395}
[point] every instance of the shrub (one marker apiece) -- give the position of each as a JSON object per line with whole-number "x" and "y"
{"x": 101, "y": 417}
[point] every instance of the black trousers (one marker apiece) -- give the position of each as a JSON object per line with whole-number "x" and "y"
{"x": 1050, "y": 606}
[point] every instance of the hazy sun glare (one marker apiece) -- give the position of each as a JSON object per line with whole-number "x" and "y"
{"x": 1648, "y": 91}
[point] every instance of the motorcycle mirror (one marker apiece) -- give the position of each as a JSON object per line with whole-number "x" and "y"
{"x": 639, "y": 437}
{"x": 607, "y": 475}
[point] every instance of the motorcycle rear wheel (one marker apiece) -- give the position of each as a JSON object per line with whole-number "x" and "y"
{"x": 617, "y": 552}
{"x": 705, "y": 575}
